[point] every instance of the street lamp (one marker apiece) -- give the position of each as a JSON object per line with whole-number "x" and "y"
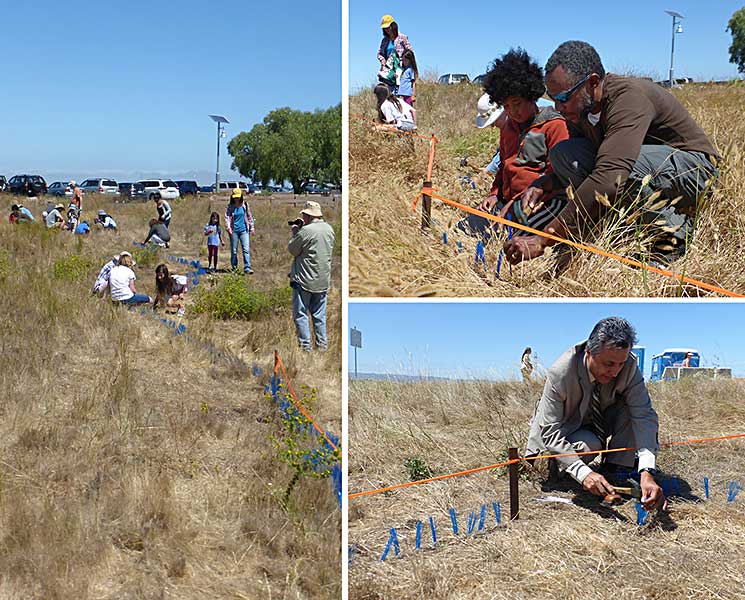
{"x": 220, "y": 134}
{"x": 679, "y": 29}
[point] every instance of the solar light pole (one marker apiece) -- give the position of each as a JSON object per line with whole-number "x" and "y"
{"x": 220, "y": 134}
{"x": 679, "y": 29}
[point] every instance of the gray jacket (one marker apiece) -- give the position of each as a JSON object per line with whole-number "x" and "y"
{"x": 567, "y": 396}
{"x": 312, "y": 246}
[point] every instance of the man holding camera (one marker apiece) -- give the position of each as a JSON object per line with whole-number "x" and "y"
{"x": 312, "y": 244}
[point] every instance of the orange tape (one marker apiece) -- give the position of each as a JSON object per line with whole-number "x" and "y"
{"x": 529, "y": 459}
{"x": 622, "y": 259}
{"x": 278, "y": 363}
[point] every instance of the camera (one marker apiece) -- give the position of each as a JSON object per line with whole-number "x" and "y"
{"x": 296, "y": 222}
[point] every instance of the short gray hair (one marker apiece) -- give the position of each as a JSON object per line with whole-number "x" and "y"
{"x": 579, "y": 59}
{"x": 613, "y": 332}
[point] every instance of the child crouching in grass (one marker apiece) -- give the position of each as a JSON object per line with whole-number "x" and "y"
{"x": 213, "y": 231}
{"x": 393, "y": 111}
{"x": 171, "y": 289}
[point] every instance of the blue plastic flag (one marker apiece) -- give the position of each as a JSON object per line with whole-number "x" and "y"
{"x": 706, "y": 487}
{"x": 432, "y": 529}
{"x": 497, "y": 508}
{"x": 454, "y": 521}
{"x": 482, "y": 517}
{"x": 418, "y": 535}
{"x": 392, "y": 540}
{"x": 641, "y": 514}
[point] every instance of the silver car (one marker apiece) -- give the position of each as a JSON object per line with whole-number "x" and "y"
{"x": 100, "y": 185}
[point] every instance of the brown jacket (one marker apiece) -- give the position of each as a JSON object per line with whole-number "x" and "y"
{"x": 633, "y": 112}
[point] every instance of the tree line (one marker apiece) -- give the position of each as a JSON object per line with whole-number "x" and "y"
{"x": 291, "y": 145}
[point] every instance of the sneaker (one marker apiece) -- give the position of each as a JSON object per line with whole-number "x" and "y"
{"x": 181, "y": 312}
{"x": 248, "y": 272}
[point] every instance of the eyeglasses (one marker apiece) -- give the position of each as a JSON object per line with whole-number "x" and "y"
{"x": 563, "y": 97}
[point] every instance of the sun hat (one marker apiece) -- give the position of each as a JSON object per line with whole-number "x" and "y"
{"x": 386, "y": 21}
{"x": 312, "y": 209}
{"x": 59, "y": 206}
{"x": 101, "y": 212}
{"x": 488, "y": 112}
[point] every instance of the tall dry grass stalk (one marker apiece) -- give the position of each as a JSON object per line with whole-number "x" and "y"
{"x": 132, "y": 464}
{"x": 578, "y": 550}
{"x": 389, "y": 256}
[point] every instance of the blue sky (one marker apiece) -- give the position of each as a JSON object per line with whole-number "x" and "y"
{"x": 487, "y": 339}
{"x": 454, "y": 37}
{"x": 125, "y": 88}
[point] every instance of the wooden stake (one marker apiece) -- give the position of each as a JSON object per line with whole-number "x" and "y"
{"x": 514, "y": 492}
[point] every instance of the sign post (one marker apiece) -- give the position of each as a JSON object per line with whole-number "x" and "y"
{"x": 355, "y": 338}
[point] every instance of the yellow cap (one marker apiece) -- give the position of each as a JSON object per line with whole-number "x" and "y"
{"x": 386, "y": 21}
{"x": 237, "y": 193}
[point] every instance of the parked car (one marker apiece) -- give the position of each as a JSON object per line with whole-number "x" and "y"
{"x": 453, "y": 78}
{"x": 227, "y": 186}
{"x": 3, "y": 183}
{"x": 479, "y": 79}
{"x": 207, "y": 189}
{"x": 32, "y": 185}
{"x": 314, "y": 188}
{"x": 132, "y": 191}
{"x": 100, "y": 185}
{"x": 168, "y": 189}
{"x": 188, "y": 187}
{"x": 60, "y": 188}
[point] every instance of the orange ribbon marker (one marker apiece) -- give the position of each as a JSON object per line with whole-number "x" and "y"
{"x": 622, "y": 259}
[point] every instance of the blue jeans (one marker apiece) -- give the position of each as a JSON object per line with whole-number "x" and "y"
{"x": 303, "y": 303}
{"x": 235, "y": 237}
{"x": 137, "y": 299}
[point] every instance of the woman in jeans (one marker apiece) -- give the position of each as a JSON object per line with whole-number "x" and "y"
{"x": 239, "y": 224}
{"x": 122, "y": 283}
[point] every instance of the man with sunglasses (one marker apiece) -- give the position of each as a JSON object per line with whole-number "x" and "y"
{"x": 621, "y": 130}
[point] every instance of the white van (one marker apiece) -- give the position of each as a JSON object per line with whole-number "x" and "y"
{"x": 167, "y": 188}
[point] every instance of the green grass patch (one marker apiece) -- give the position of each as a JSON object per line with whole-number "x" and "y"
{"x": 233, "y": 298}
{"x": 72, "y": 268}
{"x": 146, "y": 257}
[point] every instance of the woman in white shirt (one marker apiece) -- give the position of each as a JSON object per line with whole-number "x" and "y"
{"x": 122, "y": 283}
{"x": 393, "y": 111}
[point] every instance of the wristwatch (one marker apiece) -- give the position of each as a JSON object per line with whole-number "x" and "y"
{"x": 650, "y": 470}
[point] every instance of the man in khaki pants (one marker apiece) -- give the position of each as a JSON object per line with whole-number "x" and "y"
{"x": 595, "y": 398}
{"x": 312, "y": 244}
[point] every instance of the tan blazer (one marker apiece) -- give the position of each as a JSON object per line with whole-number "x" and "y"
{"x": 566, "y": 399}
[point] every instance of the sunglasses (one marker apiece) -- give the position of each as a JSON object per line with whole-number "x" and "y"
{"x": 564, "y": 96}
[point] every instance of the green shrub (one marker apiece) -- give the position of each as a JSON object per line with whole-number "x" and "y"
{"x": 146, "y": 257}
{"x": 233, "y": 298}
{"x": 72, "y": 268}
{"x": 417, "y": 468}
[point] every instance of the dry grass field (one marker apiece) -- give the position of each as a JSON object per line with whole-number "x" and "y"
{"x": 574, "y": 550}
{"x": 133, "y": 464}
{"x": 389, "y": 256}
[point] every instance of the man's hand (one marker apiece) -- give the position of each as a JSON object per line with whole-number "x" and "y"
{"x": 488, "y": 203}
{"x": 295, "y": 229}
{"x": 523, "y": 248}
{"x": 598, "y": 485}
{"x": 652, "y": 495}
{"x": 531, "y": 199}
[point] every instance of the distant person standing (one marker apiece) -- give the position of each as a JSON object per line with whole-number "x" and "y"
{"x": 164, "y": 210}
{"x": 239, "y": 224}
{"x": 526, "y": 367}
{"x": 391, "y": 51}
{"x": 407, "y": 87}
{"x": 77, "y": 196}
{"x": 312, "y": 244}
{"x": 213, "y": 233}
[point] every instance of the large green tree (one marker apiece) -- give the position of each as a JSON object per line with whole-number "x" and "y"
{"x": 291, "y": 145}
{"x": 736, "y": 27}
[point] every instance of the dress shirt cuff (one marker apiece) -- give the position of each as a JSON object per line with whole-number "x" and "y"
{"x": 579, "y": 470}
{"x": 647, "y": 459}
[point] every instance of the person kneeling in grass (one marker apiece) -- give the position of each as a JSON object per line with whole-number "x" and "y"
{"x": 171, "y": 289}
{"x": 158, "y": 234}
{"x": 122, "y": 283}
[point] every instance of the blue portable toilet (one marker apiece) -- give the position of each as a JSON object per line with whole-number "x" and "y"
{"x": 639, "y": 352}
{"x": 672, "y": 357}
